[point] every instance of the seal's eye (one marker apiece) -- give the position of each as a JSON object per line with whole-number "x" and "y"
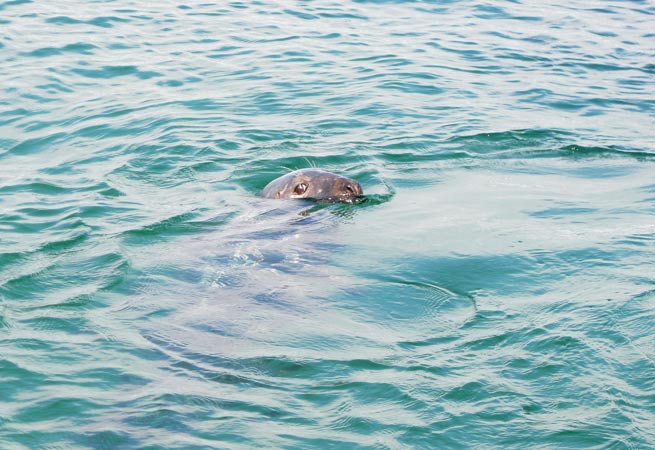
{"x": 350, "y": 189}
{"x": 300, "y": 189}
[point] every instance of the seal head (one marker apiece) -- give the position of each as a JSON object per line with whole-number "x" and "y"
{"x": 314, "y": 184}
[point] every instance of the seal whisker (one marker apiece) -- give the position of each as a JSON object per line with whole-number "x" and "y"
{"x": 309, "y": 163}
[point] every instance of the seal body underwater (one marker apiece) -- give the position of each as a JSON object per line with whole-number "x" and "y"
{"x": 314, "y": 184}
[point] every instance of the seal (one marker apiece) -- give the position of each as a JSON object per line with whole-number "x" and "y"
{"x": 314, "y": 184}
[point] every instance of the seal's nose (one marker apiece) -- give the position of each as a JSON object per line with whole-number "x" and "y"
{"x": 354, "y": 188}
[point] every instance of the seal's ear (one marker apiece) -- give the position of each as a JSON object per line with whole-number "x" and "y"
{"x": 300, "y": 189}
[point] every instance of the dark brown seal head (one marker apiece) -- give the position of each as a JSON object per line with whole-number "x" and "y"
{"x": 313, "y": 184}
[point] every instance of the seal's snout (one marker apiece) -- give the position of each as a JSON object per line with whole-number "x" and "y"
{"x": 354, "y": 188}
{"x": 348, "y": 189}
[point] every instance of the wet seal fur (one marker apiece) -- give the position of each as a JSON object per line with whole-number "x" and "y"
{"x": 314, "y": 184}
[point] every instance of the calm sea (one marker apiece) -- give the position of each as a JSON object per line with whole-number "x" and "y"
{"x": 495, "y": 291}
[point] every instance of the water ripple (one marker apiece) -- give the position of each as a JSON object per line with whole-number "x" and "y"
{"x": 494, "y": 288}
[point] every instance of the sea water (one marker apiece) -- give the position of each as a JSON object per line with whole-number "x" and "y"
{"x": 495, "y": 290}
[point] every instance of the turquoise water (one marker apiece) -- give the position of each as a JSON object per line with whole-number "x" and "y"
{"x": 495, "y": 291}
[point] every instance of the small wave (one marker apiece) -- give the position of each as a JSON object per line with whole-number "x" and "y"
{"x": 597, "y": 151}
{"x": 36, "y": 144}
{"x": 81, "y": 48}
{"x": 103, "y": 21}
{"x": 536, "y": 143}
{"x": 143, "y": 230}
{"x": 108, "y": 72}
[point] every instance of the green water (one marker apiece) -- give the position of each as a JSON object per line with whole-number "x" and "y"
{"x": 495, "y": 291}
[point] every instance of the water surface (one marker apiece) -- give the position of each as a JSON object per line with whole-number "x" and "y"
{"x": 495, "y": 291}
